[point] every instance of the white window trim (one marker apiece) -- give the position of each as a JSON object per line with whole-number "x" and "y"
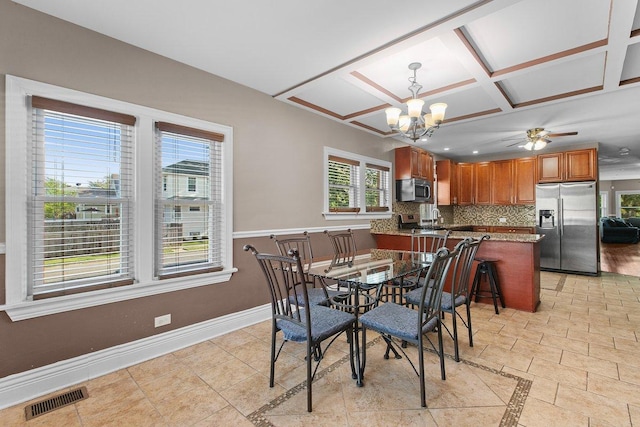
{"x": 363, "y": 160}
{"x": 18, "y": 306}
{"x": 604, "y": 208}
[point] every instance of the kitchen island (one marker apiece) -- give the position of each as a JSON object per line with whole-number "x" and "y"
{"x": 517, "y": 261}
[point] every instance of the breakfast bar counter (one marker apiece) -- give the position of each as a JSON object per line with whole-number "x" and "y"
{"x": 517, "y": 259}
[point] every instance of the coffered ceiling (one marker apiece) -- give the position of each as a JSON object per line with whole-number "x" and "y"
{"x": 502, "y": 66}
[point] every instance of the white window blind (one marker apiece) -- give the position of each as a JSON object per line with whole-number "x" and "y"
{"x": 80, "y": 208}
{"x": 188, "y": 214}
{"x": 344, "y": 184}
{"x": 377, "y": 188}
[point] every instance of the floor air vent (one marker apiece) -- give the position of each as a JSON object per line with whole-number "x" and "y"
{"x": 55, "y": 402}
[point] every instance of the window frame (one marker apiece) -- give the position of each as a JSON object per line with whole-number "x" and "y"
{"x": 18, "y": 304}
{"x": 621, "y": 193}
{"x": 361, "y": 211}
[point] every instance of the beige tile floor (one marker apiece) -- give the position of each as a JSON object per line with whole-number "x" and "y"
{"x": 575, "y": 362}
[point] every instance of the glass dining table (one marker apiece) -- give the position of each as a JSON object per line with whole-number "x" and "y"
{"x": 362, "y": 283}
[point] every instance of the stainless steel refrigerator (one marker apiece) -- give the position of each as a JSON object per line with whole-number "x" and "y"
{"x": 566, "y": 215}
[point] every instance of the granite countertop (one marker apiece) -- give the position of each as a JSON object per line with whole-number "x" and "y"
{"x": 496, "y": 237}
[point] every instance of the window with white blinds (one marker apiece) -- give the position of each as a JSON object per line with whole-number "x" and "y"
{"x": 377, "y": 188}
{"x": 356, "y": 186}
{"x": 344, "y": 184}
{"x": 80, "y": 209}
{"x": 188, "y": 213}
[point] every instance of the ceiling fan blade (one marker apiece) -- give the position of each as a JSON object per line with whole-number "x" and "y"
{"x": 522, "y": 141}
{"x": 554, "y": 135}
{"x": 543, "y": 133}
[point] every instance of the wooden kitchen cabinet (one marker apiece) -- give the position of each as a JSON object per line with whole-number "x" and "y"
{"x": 576, "y": 165}
{"x": 502, "y": 174}
{"x": 482, "y": 183}
{"x": 524, "y": 181}
{"x": 413, "y": 162}
{"x": 447, "y": 176}
{"x": 466, "y": 188}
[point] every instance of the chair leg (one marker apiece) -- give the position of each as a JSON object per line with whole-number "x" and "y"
{"x": 454, "y": 321}
{"x": 423, "y": 392}
{"x": 441, "y": 350}
{"x": 309, "y": 358}
{"x": 273, "y": 356}
{"x": 468, "y": 304}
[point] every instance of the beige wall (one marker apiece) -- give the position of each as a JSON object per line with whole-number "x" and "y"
{"x": 277, "y": 174}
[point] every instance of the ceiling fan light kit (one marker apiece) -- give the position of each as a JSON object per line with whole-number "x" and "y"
{"x": 414, "y": 124}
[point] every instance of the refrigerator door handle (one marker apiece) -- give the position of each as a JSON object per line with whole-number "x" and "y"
{"x": 561, "y": 217}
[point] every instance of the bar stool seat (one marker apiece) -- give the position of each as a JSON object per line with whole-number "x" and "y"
{"x": 487, "y": 269}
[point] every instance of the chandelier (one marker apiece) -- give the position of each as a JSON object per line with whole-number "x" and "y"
{"x": 536, "y": 139}
{"x": 414, "y": 124}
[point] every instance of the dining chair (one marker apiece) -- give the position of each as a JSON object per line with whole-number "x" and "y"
{"x": 405, "y": 324}
{"x": 297, "y": 318}
{"x": 317, "y": 291}
{"x": 428, "y": 241}
{"x": 460, "y": 291}
{"x": 344, "y": 247}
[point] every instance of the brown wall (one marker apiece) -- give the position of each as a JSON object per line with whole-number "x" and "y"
{"x": 277, "y": 176}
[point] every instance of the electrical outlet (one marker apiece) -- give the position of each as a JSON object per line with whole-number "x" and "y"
{"x": 503, "y": 219}
{"x": 162, "y": 320}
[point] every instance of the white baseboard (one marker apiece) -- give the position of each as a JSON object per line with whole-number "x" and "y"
{"x": 28, "y": 385}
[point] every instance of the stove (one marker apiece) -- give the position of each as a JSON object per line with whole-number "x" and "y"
{"x": 411, "y": 221}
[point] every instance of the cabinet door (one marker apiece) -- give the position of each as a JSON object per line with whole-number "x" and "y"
{"x": 482, "y": 184}
{"x": 447, "y": 175}
{"x": 581, "y": 165}
{"x": 502, "y": 182}
{"x": 524, "y": 181}
{"x": 402, "y": 165}
{"x": 425, "y": 165}
{"x": 550, "y": 167}
{"x": 482, "y": 229}
{"x": 465, "y": 183}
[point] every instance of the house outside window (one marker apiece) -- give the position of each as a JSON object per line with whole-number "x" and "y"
{"x": 192, "y": 184}
{"x": 356, "y": 186}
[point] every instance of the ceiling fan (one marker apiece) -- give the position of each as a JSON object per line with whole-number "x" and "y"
{"x": 538, "y": 138}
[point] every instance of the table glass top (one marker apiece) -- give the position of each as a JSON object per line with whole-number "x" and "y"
{"x": 379, "y": 266}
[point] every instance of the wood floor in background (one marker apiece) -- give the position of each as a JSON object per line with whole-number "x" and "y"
{"x": 621, "y": 258}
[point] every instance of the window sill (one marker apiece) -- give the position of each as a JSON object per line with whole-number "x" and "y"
{"x": 333, "y": 216}
{"x": 31, "y": 309}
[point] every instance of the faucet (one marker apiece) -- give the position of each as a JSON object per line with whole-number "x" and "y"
{"x": 435, "y": 214}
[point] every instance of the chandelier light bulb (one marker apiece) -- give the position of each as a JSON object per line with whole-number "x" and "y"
{"x": 437, "y": 111}
{"x": 393, "y": 115}
{"x": 414, "y": 107}
{"x": 404, "y": 123}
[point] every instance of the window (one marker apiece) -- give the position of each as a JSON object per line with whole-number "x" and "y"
{"x": 604, "y": 203}
{"x": 77, "y": 153}
{"x": 80, "y": 212}
{"x": 628, "y": 204}
{"x": 184, "y": 155}
{"x": 356, "y": 186}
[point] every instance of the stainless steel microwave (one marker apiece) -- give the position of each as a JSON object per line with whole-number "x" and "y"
{"x": 413, "y": 190}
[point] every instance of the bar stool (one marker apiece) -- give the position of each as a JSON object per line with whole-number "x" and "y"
{"x": 486, "y": 268}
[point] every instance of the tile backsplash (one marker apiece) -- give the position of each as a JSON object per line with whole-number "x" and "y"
{"x": 474, "y": 215}
{"x": 522, "y": 215}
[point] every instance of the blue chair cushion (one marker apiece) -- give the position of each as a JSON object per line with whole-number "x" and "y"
{"x": 316, "y": 296}
{"x": 396, "y": 320}
{"x": 325, "y": 322}
{"x": 413, "y": 297}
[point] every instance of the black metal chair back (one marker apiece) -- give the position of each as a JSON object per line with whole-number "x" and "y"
{"x": 344, "y": 247}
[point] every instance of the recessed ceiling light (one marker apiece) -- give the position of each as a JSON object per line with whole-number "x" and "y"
{"x": 475, "y": 151}
{"x": 624, "y": 151}
{"x": 446, "y": 148}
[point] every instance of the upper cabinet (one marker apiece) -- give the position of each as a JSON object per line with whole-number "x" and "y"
{"x": 413, "y": 162}
{"x": 513, "y": 181}
{"x": 447, "y": 176}
{"x": 466, "y": 187}
{"x": 482, "y": 183}
{"x": 577, "y": 165}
